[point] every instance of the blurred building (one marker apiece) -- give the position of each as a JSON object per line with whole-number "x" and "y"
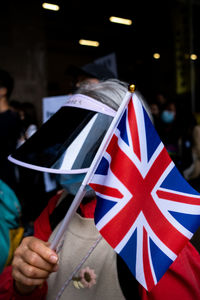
{"x": 38, "y": 45}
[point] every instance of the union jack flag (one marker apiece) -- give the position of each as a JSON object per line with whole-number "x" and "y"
{"x": 145, "y": 209}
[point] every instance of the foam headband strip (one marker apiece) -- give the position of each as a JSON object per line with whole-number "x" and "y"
{"x": 86, "y": 102}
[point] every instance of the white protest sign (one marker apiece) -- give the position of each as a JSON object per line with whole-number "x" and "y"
{"x": 50, "y": 105}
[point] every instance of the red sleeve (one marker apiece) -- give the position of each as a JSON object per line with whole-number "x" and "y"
{"x": 42, "y": 228}
{"x": 7, "y": 291}
{"x": 181, "y": 281}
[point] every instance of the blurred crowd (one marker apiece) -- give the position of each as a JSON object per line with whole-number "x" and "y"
{"x": 179, "y": 130}
{"x": 22, "y": 192}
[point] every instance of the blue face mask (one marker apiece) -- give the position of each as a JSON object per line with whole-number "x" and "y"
{"x": 167, "y": 116}
{"x": 72, "y": 182}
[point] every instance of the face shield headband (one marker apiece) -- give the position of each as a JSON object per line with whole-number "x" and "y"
{"x": 69, "y": 140}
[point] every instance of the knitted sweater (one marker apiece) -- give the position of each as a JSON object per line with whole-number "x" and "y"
{"x": 79, "y": 238}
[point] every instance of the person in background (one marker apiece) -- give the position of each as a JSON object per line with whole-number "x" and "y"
{"x": 170, "y": 130}
{"x": 11, "y": 231}
{"x": 28, "y": 116}
{"x": 161, "y": 99}
{"x": 155, "y": 112}
{"x": 15, "y": 105}
{"x": 10, "y": 130}
{"x": 191, "y": 151}
{"x": 30, "y": 182}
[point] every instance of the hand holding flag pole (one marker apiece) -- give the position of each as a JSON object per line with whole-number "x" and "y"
{"x": 81, "y": 192}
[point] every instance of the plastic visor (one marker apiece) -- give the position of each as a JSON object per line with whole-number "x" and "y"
{"x": 68, "y": 141}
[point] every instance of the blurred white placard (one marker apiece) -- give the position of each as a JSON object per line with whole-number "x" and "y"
{"x": 50, "y": 105}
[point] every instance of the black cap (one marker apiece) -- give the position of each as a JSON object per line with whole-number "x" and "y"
{"x": 92, "y": 70}
{"x": 98, "y": 71}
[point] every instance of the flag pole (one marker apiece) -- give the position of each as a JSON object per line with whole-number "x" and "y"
{"x": 108, "y": 136}
{"x": 81, "y": 192}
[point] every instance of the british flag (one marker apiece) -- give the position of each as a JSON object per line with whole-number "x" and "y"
{"x": 145, "y": 210}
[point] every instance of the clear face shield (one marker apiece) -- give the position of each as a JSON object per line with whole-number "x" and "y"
{"x": 69, "y": 140}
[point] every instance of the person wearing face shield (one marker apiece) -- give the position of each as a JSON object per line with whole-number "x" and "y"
{"x": 84, "y": 265}
{"x": 66, "y": 145}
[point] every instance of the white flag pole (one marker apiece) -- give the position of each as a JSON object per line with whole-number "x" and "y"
{"x": 106, "y": 140}
{"x": 81, "y": 192}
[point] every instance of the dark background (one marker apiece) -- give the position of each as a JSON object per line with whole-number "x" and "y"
{"x": 38, "y": 46}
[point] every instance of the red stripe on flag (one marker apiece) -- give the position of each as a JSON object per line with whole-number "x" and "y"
{"x": 178, "y": 198}
{"x": 108, "y": 191}
{"x": 146, "y": 263}
{"x": 134, "y": 129}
